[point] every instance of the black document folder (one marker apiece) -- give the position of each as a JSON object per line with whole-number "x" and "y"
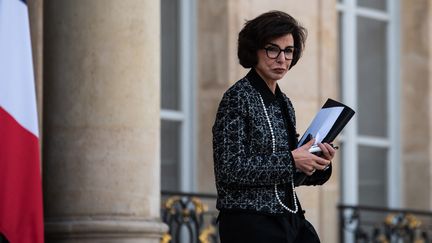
{"x": 328, "y": 122}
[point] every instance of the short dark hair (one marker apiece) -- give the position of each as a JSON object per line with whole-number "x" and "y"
{"x": 259, "y": 31}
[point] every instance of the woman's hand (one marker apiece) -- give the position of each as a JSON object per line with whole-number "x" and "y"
{"x": 328, "y": 152}
{"x": 307, "y": 162}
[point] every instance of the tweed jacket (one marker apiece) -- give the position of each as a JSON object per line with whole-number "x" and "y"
{"x": 245, "y": 164}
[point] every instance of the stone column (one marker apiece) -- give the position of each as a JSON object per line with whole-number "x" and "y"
{"x": 101, "y": 121}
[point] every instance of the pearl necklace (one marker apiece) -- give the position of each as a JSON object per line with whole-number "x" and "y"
{"x": 295, "y": 210}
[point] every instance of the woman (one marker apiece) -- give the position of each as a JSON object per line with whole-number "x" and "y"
{"x": 256, "y": 160}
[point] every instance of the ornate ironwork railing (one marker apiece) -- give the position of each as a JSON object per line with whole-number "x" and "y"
{"x": 384, "y": 225}
{"x": 189, "y": 218}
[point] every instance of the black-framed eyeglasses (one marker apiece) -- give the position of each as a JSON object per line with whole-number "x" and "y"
{"x": 273, "y": 51}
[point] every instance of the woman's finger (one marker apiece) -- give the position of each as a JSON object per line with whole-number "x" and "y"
{"x": 320, "y": 166}
{"x": 319, "y": 160}
{"x": 309, "y": 144}
{"x": 331, "y": 150}
{"x": 324, "y": 150}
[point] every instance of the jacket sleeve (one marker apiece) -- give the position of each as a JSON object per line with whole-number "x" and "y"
{"x": 234, "y": 165}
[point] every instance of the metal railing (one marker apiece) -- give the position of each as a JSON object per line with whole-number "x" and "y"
{"x": 384, "y": 225}
{"x": 189, "y": 218}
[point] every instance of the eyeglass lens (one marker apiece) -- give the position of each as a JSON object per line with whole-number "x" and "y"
{"x": 273, "y": 52}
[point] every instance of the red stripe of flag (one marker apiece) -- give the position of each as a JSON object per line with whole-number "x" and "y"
{"x": 21, "y": 214}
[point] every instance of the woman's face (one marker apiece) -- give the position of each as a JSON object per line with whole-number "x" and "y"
{"x": 275, "y": 59}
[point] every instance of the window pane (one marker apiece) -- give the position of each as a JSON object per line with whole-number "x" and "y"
{"x": 372, "y": 77}
{"x": 372, "y": 176}
{"x": 376, "y": 4}
{"x": 170, "y": 154}
{"x": 170, "y": 87}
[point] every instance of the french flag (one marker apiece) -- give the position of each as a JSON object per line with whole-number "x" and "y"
{"x": 21, "y": 208}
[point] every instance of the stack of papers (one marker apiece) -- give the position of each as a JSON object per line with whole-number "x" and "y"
{"x": 328, "y": 123}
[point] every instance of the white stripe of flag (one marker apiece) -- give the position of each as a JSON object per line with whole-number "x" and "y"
{"x": 17, "y": 89}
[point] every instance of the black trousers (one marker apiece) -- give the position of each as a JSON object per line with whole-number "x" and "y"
{"x": 245, "y": 227}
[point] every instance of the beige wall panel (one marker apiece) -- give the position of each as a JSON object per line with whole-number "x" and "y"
{"x": 416, "y": 93}
{"x": 309, "y": 199}
{"x": 328, "y": 87}
{"x": 329, "y": 220}
{"x": 213, "y": 80}
{"x": 429, "y": 45}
